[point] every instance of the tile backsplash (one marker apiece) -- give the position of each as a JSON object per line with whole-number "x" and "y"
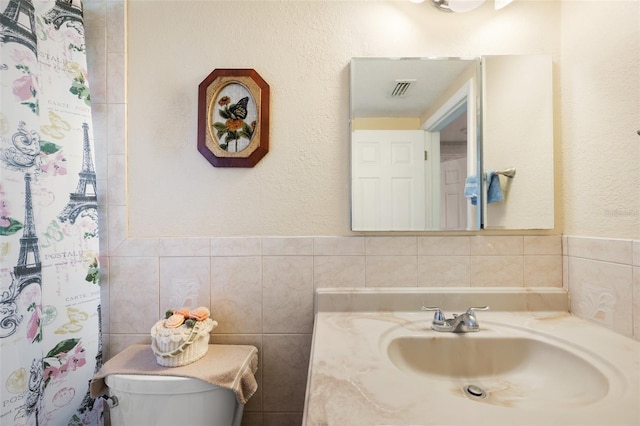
{"x": 261, "y": 290}
{"x": 603, "y": 279}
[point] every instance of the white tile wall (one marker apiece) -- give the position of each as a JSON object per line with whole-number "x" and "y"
{"x": 603, "y": 279}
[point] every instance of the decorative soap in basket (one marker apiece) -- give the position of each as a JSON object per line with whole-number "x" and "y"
{"x": 182, "y": 337}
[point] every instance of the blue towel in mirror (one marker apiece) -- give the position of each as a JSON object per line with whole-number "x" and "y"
{"x": 471, "y": 189}
{"x": 494, "y": 191}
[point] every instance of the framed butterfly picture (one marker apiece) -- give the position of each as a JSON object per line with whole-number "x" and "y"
{"x": 233, "y": 118}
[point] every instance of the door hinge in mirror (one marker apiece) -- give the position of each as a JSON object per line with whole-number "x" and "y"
{"x": 426, "y": 156}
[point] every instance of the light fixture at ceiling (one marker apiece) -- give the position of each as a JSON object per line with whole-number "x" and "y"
{"x": 464, "y": 5}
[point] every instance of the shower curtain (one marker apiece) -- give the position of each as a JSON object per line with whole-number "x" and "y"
{"x": 50, "y": 337}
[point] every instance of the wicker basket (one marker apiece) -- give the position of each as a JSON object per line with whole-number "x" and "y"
{"x": 174, "y": 347}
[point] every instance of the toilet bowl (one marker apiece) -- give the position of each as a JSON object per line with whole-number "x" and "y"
{"x": 138, "y": 400}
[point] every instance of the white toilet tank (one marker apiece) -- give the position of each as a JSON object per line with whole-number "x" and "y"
{"x": 170, "y": 400}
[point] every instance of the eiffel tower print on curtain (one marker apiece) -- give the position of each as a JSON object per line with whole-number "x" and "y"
{"x": 27, "y": 271}
{"x": 17, "y": 22}
{"x": 18, "y": 25}
{"x": 85, "y": 197}
{"x": 63, "y": 11}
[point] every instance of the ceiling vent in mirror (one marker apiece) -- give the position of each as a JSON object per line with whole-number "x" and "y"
{"x": 401, "y": 88}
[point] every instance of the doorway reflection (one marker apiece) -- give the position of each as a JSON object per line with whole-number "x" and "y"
{"x": 453, "y": 172}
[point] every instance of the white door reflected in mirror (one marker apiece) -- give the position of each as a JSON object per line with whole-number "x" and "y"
{"x": 388, "y": 179}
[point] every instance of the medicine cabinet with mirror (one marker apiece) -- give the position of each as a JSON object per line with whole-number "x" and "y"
{"x": 423, "y": 127}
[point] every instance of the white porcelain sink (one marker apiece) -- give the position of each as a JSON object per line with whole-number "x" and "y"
{"x": 376, "y": 361}
{"x": 510, "y": 371}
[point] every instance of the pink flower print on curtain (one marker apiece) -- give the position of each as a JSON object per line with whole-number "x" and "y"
{"x": 50, "y": 335}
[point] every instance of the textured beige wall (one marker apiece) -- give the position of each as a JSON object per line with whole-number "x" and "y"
{"x": 600, "y": 114}
{"x": 266, "y": 306}
{"x": 302, "y": 49}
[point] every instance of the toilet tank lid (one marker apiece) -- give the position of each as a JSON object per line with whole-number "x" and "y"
{"x": 158, "y": 384}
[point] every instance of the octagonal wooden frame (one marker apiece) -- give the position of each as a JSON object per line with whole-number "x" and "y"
{"x": 209, "y": 91}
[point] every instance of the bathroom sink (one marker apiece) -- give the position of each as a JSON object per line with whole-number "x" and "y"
{"x": 502, "y": 370}
{"x": 376, "y": 360}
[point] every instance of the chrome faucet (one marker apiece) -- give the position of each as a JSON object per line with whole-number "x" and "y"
{"x": 462, "y": 323}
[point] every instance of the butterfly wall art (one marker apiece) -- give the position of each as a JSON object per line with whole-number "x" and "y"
{"x": 233, "y": 118}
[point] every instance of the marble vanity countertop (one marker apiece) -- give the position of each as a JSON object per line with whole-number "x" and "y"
{"x": 353, "y": 382}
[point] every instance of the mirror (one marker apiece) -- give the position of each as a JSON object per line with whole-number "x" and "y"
{"x": 517, "y": 122}
{"x": 413, "y": 143}
{"x": 417, "y": 128}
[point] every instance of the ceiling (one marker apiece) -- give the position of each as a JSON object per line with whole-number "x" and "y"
{"x": 373, "y": 80}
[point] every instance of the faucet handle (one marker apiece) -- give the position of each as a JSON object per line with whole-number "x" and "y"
{"x": 472, "y": 310}
{"x": 438, "y": 316}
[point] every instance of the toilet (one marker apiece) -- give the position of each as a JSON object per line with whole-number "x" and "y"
{"x": 138, "y": 400}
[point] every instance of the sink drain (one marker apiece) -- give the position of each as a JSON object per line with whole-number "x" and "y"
{"x": 475, "y": 392}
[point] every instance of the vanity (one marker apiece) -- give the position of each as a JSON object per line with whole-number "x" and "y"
{"x": 376, "y": 360}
